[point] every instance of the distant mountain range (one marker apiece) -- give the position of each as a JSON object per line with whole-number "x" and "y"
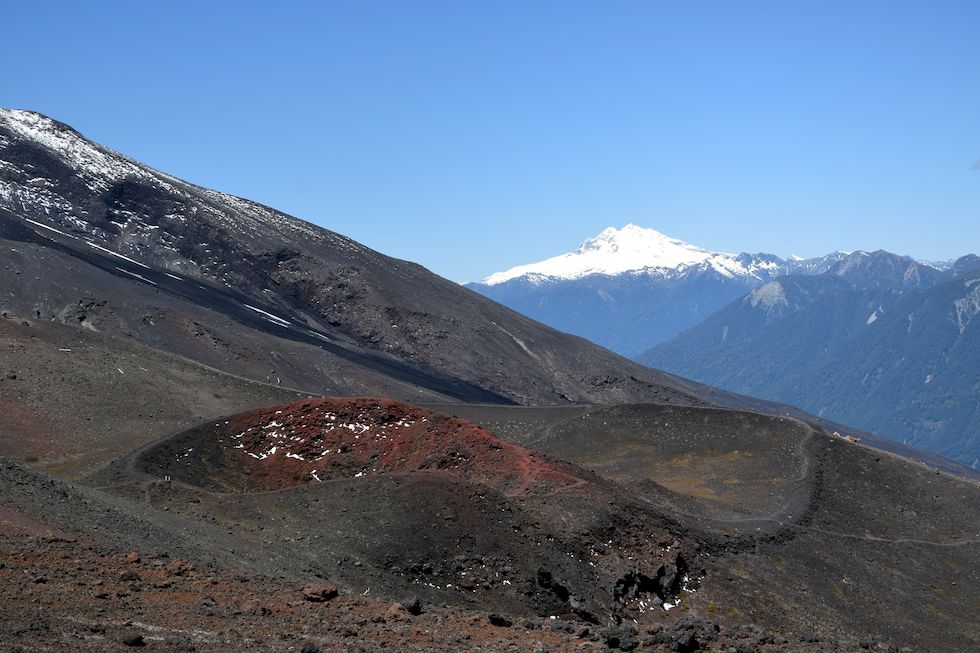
{"x": 633, "y": 288}
{"x": 876, "y": 340}
{"x": 878, "y": 343}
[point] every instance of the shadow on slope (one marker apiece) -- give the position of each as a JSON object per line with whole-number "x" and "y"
{"x": 378, "y": 494}
{"x": 819, "y": 533}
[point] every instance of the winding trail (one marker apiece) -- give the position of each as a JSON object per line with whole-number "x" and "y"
{"x": 808, "y": 472}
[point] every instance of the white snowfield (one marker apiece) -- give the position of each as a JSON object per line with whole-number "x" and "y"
{"x": 630, "y": 249}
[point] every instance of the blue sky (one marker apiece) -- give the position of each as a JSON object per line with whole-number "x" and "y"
{"x": 473, "y": 136}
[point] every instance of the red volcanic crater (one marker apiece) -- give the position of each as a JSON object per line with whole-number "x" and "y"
{"x": 318, "y": 440}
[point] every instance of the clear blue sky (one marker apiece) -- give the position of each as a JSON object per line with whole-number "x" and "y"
{"x": 472, "y": 136}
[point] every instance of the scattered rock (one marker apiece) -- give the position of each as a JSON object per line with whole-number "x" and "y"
{"x": 395, "y": 612}
{"x": 132, "y": 638}
{"x": 179, "y": 568}
{"x": 129, "y": 576}
{"x": 179, "y": 643}
{"x": 320, "y": 592}
{"x": 255, "y": 608}
{"x": 310, "y": 647}
{"x": 499, "y": 620}
{"x": 622, "y": 638}
{"x": 413, "y": 605}
{"x": 562, "y": 626}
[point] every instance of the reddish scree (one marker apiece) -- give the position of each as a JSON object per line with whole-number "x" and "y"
{"x": 317, "y": 440}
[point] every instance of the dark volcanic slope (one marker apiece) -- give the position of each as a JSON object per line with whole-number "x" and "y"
{"x": 72, "y": 399}
{"x": 48, "y": 279}
{"x": 308, "y": 278}
{"x": 377, "y": 493}
{"x": 83, "y": 571}
{"x": 773, "y": 523}
{"x": 818, "y": 525}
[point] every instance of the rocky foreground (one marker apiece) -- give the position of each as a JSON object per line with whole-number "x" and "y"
{"x": 59, "y": 592}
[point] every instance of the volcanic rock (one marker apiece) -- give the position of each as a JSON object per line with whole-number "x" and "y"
{"x": 500, "y": 620}
{"x": 132, "y": 638}
{"x": 320, "y": 593}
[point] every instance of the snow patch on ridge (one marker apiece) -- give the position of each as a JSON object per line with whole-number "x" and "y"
{"x": 878, "y": 312}
{"x": 966, "y": 308}
{"x": 98, "y": 166}
{"x": 100, "y": 169}
{"x": 769, "y": 296}
{"x": 275, "y": 319}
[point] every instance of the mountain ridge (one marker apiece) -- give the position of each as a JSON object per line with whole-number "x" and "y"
{"x": 893, "y": 359}
{"x": 300, "y": 278}
{"x": 619, "y": 290}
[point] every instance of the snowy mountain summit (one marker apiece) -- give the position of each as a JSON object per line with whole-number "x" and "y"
{"x": 632, "y": 249}
{"x": 630, "y": 289}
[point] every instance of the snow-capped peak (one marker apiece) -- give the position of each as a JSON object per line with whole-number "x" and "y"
{"x": 614, "y": 251}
